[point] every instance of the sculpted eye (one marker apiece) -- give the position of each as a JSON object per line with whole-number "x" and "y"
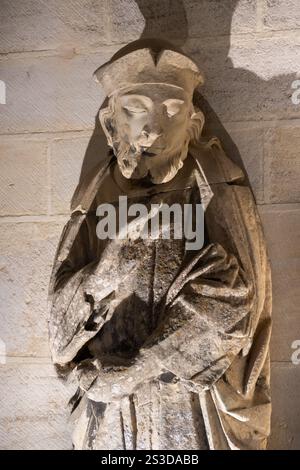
{"x": 173, "y": 106}
{"x": 134, "y": 110}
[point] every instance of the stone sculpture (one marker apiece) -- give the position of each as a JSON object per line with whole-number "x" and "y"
{"x": 170, "y": 347}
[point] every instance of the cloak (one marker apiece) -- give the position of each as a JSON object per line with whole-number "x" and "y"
{"x": 210, "y": 326}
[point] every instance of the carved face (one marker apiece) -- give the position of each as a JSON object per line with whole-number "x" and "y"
{"x": 149, "y": 128}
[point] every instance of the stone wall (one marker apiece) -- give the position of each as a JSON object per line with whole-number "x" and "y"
{"x": 249, "y": 51}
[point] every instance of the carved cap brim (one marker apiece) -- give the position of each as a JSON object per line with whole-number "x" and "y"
{"x": 148, "y": 66}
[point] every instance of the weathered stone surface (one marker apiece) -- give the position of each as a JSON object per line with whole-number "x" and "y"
{"x": 127, "y": 21}
{"x": 84, "y": 23}
{"x": 213, "y": 18}
{"x": 282, "y": 165}
{"x": 33, "y": 412}
{"x": 51, "y": 93}
{"x": 148, "y": 299}
{"x": 249, "y": 143}
{"x": 285, "y": 383}
{"x": 31, "y": 25}
{"x": 282, "y": 229}
{"x": 281, "y": 14}
{"x": 23, "y": 177}
{"x": 251, "y": 84}
{"x": 177, "y": 20}
{"x": 27, "y": 251}
{"x": 58, "y": 93}
{"x": 66, "y": 161}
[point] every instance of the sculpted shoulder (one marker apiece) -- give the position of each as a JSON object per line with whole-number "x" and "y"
{"x": 217, "y": 167}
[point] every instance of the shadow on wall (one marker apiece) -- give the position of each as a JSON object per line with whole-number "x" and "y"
{"x": 168, "y": 20}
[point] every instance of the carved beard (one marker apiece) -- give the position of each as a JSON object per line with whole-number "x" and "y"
{"x": 161, "y": 168}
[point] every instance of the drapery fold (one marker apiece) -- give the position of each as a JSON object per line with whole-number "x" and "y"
{"x": 211, "y": 334}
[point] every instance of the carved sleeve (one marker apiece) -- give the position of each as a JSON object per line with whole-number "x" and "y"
{"x": 74, "y": 317}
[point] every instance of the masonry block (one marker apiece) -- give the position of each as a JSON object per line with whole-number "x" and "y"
{"x": 23, "y": 177}
{"x": 34, "y": 411}
{"x": 33, "y": 25}
{"x": 248, "y": 79}
{"x": 214, "y": 18}
{"x": 51, "y": 93}
{"x": 282, "y": 230}
{"x": 282, "y": 165}
{"x": 285, "y": 383}
{"x": 281, "y": 14}
{"x": 67, "y": 157}
{"x": 26, "y": 257}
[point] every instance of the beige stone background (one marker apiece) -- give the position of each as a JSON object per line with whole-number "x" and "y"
{"x": 250, "y": 53}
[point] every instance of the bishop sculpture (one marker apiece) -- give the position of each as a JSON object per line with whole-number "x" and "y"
{"x": 168, "y": 341}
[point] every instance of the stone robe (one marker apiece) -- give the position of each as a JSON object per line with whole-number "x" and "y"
{"x": 202, "y": 318}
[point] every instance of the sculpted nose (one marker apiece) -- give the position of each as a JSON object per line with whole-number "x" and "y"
{"x": 151, "y": 135}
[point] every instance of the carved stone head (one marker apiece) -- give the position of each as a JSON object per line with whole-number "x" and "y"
{"x": 150, "y": 118}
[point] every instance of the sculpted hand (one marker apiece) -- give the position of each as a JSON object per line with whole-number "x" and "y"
{"x": 110, "y": 382}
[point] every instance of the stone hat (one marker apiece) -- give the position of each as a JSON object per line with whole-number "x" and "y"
{"x": 146, "y": 66}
